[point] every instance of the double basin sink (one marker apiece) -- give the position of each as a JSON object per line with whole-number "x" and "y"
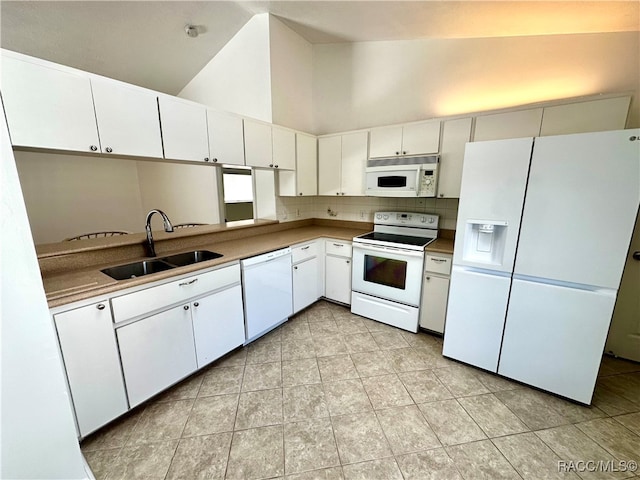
{"x": 147, "y": 267}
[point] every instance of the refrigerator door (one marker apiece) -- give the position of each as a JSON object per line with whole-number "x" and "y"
{"x": 494, "y": 180}
{"x": 581, "y": 205}
{"x": 554, "y": 337}
{"x": 475, "y": 317}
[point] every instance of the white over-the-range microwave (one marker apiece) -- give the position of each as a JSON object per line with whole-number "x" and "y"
{"x": 402, "y": 176}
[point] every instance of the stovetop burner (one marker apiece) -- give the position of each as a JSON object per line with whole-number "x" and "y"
{"x": 399, "y": 239}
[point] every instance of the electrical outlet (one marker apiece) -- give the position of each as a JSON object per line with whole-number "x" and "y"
{"x": 361, "y": 214}
{"x": 421, "y": 202}
{"x": 297, "y": 212}
{"x": 284, "y": 215}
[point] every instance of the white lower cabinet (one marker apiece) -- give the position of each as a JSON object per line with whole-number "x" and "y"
{"x": 435, "y": 292}
{"x": 305, "y": 284}
{"x": 90, "y": 356}
{"x": 218, "y": 324}
{"x": 338, "y": 271}
{"x": 156, "y": 352}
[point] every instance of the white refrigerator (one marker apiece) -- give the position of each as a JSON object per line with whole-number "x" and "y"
{"x": 543, "y": 230}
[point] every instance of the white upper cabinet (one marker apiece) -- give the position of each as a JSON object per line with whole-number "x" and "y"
{"x": 184, "y": 130}
{"x": 284, "y": 148}
{"x": 128, "y": 120}
{"x": 258, "y": 146}
{"x": 593, "y": 116}
{"x": 329, "y": 165}
{"x": 48, "y": 108}
{"x": 354, "y": 162}
{"x": 455, "y": 135}
{"x": 500, "y": 126}
{"x": 411, "y": 139}
{"x": 226, "y": 138}
{"x": 304, "y": 180}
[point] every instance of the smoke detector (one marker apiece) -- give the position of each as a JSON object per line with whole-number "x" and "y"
{"x": 191, "y": 31}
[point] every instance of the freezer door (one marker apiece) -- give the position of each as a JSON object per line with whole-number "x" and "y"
{"x": 475, "y": 317}
{"x": 580, "y": 209}
{"x": 554, "y": 337}
{"x": 494, "y": 180}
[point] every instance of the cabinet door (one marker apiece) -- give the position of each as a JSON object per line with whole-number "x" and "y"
{"x": 455, "y": 135}
{"x": 184, "y": 130}
{"x": 385, "y": 142}
{"x": 594, "y": 116}
{"x": 258, "y": 147}
{"x": 338, "y": 279}
{"x": 90, "y": 355}
{"x": 128, "y": 120}
{"x": 218, "y": 324}
{"x": 156, "y": 352}
{"x": 226, "y": 138}
{"x": 354, "y": 162}
{"x": 433, "y": 310}
{"x": 523, "y": 123}
{"x": 329, "y": 162}
{"x": 284, "y": 148}
{"x": 306, "y": 164}
{"x": 305, "y": 284}
{"x": 421, "y": 138}
{"x": 48, "y": 108}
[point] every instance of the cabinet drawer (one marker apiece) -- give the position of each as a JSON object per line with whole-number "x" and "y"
{"x": 438, "y": 264}
{"x": 337, "y": 247}
{"x": 155, "y": 298}
{"x": 303, "y": 252}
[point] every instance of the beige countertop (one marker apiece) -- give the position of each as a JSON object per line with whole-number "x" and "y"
{"x": 77, "y": 274}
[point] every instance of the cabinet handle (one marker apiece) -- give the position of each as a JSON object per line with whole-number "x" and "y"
{"x": 215, "y": 160}
{"x": 109, "y": 149}
{"x": 305, "y": 248}
{"x": 438, "y": 260}
{"x": 188, "y": 283}
{"x": 295, "y": 268}
{"x": 100, "y": 306}
{"x": 397, "y": 153}
{"x": 342, "y": 193}
{"x": 348, "y": 261}
{"x": 93, "y": 148}
{"x": 196, "y": 304}
{"x": 338, "y": 245}
{"x": 206, "y": 159}
{"x": 276, "y": 166}
{"x": 428, "y": 278}
{"x": 271, "y": 164}
{"x": 300, "y": 193}
{"x": 404, "y": 153}
{"x": 337, "y": 193}
{"x": 441, "y": 195}
{"x": 186, "y": 307}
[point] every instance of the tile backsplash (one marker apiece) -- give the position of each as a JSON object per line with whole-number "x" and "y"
{"x": 363, "y": 208}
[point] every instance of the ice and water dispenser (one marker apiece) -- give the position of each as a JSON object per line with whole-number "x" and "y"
{"x": 485, "y": 241}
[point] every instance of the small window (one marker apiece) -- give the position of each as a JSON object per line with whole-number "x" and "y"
{"x": 237, "y": 186}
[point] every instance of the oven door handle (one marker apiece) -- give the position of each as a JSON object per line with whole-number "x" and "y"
{"x": 400, "y": 251}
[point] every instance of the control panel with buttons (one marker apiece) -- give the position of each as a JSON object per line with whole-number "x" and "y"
{"x": 409, "y": 219}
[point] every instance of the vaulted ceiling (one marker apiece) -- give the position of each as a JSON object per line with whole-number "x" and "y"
{"x": 144, "y": 42}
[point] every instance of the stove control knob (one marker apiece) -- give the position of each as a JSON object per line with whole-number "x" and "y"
{"x": 431, "y": 220}
{"x": 423, "y": 219}
{"x": 378, "y": 216}
{"x": 385, "y": 217}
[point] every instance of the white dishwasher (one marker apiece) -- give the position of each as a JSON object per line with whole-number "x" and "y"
{"x": 268, "y": 291}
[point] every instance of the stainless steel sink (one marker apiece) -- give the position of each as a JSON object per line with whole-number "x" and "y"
{"x": 189, "y": 258}
{"x": 137, "y": 269}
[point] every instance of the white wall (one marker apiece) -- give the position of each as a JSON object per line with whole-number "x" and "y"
{"x": 379, "y": 83}
{"x": 36, "y": 423}
{"x": 291, "y": 77}
{"x": 238, "y": 78}
{"x": 187, "y": 193}
{"x": 70, "y": 195}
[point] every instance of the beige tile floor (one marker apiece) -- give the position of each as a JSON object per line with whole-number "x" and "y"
{"x": 330, "y": 395}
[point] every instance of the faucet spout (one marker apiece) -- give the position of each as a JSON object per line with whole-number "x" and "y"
{"x": 167, "y": 228}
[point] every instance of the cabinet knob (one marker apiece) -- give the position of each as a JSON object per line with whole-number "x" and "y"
{"x": 441, "y": 195}
{"x": 342, "y": 193}
{"x": 300, "y": 193}
{"x": 215, "y": 160}
{"x": 428, "y": 278}
{"x": 271, "y": 165}
{"x": 206, "y": 159}
{"x": 276, "y": 166}
{"x": 186, "y": 307}
{"x": 337, "y": 193}
{"x": 348, "y": 261}
{"x": 397, "y": 153}
{"x": 404, "y": 153}
{"x": 636, "y": 256}
{"x": 109, "y": 149}
{"x": 100, "y": 306}
{"x": 93, "y": 148}
{"x": 196, "y": 304}
{"x": 295, "y": 268}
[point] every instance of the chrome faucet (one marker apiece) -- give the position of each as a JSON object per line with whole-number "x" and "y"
{"x": 167, "y": 228}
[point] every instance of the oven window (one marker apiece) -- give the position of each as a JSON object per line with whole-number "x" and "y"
{"x": 392, "y": 181}
{"x": 385, "y": 271}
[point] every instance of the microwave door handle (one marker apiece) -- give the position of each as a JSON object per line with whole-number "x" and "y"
{"x": 418, "y": 181}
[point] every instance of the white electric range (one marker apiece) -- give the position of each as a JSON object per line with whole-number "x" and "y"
{"x": 388, "y": 266}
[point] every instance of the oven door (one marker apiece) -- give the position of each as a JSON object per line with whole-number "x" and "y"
{"x": 388, "y": 272}
{"x": 392, "y": 181}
